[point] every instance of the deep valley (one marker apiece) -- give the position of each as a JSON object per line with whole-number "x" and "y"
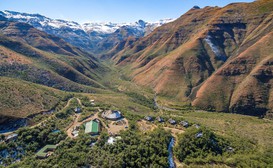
{"x": 195, "y": 91}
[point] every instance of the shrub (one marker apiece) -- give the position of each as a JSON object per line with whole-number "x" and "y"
{"x": 196, "y": 145}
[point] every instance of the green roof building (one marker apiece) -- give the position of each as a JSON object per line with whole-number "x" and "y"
{"x": 45, "y": 151}
{"x": 92, "y": 127}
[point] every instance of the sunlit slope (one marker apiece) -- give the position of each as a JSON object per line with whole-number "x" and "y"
{"x": 180, "y": 57}
{"x": 19, "y": 99}
{"x": 47, "y": 60}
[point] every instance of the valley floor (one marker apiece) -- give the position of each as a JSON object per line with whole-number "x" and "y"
{"x": 135, "y": 103}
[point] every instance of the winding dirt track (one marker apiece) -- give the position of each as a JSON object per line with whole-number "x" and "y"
{"x": 50, "y": 117}
{"x": 162, "y": 107}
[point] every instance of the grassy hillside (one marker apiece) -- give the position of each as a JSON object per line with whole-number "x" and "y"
{"x": 19, "y": 98}
{"x": 71, "y": 73}
{"x": 252, "y": 136}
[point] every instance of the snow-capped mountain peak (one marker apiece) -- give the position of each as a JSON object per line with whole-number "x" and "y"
{"x": 109, "y": 27}
{"x": 87, "y": 35}
{"x": 40, "y": 21}
{"x": 103, "y": 27}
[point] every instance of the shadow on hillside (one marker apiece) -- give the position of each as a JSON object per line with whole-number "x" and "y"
{"x": 9, "y": 124}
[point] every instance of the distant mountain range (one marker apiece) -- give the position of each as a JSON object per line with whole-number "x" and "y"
{"x": 88, "y": 36}
{"x": 217, "y": 59}
{"x": 36, "y": 51}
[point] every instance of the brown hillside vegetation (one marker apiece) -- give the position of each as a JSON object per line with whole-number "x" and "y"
{"x": 46, "y": 68}
{"x": 10, "y": 56}
{"x": 66, "y": 72}
{"x": 246, "y": 81}
{"x": 29, "y": 57}
{"x": 25, "y": 33}
{"x": 219, "y": 50}
{"x": 19, "y": 98}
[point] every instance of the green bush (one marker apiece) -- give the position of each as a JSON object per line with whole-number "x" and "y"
{"x": 197, "y": 145}
{"x": 133, "y": 150}
{"x": 141, "y": 99}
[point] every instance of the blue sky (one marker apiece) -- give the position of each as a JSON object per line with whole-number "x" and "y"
{"x": 109, "y": 10}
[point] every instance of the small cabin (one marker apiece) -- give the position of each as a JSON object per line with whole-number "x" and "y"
{"x": 148, "y": 118}
{"x": 77, "y": 110}
{"x": 199, "y": 135}
{"x": 160, "y": 119}
{"x": 184, "y": 124}
{"x": 172, "y": 121}
{"x": 92, "y": 102}
{"x": 75, "y": 133}
{"x": 196, "y": 126}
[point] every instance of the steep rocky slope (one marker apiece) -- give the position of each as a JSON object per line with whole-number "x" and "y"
{"x": 30, "y": 54}
{"x": 216, "y": 57}
{"x": 243, "y": 84}
{"x": 26, "y": 33}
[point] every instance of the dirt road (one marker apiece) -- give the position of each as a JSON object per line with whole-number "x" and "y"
{"x": 77, "y": 123}
{"x": 160, "y": 107}
{"x": 116, "y": 126}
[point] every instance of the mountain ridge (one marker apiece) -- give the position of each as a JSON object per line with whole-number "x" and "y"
{"x": 85, "y": 35}
{"x": 191, "y": 58}
{"x": 179, "y": 59}
{"x": 32, "y": 55}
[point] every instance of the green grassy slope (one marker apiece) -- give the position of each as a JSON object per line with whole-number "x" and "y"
{"x": 19, "y": 98}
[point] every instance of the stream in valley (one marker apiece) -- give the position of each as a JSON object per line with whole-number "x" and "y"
{"x": 170, "y": 157}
